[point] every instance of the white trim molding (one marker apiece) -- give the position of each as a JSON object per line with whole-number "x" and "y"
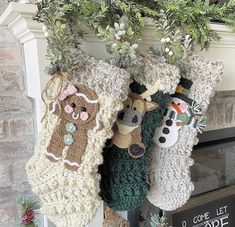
{"x": 19, "y": 18}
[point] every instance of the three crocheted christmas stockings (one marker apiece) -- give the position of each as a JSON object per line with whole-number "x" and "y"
{"x": 123, "y": 182}
{"x": 171, "y": 185}
{"x": 63, "y": 169}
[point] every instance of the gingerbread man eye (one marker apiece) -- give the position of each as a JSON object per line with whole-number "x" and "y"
{"x": 73, "y": 105}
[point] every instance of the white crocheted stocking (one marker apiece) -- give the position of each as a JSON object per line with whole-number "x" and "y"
{"x": 63, "y": 169}
{"x": 171, "y": 185}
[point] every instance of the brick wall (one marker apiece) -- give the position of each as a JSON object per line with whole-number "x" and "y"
{"x": 17, "y": 130}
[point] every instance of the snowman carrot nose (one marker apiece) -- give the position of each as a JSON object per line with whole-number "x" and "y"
{"x": 176, "y": 107}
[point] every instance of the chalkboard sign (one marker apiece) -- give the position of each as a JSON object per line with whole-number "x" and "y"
{"x": 218, "y": 213}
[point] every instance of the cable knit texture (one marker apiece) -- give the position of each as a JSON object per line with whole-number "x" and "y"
{"x": 171, "y": 185}
{"x": 123, "y": 183}
{"x": 70, "y": 198}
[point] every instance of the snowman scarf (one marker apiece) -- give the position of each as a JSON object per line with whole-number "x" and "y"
{"x": 171, "y": 184}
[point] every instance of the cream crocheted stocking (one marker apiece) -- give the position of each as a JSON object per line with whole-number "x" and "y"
{"x": 63, "y": 169}
{"x": 171, "y": 185}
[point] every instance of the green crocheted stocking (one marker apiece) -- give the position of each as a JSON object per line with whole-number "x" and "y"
{"x": 124, "y": 183}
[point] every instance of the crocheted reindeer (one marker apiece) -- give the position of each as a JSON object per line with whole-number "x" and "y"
{"x": 79, "y": 107}
{"x": 128, "y": 125}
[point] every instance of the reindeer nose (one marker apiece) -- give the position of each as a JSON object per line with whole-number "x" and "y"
{"x": 121, "y": 115}
{"x": 135, "y": 119}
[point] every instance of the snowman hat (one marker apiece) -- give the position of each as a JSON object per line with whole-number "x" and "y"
{"x": 183, "y": 90}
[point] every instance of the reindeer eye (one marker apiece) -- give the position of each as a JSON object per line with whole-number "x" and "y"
{"x": 83, "y": 109}
{"x": 134, "y": 108}
{"x": 127, "y": 106}
{"x": 178, "y": 104}
{"x": 73, "y": 105}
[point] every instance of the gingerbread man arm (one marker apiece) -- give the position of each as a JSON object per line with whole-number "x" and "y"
{"x": 54, "y": 108}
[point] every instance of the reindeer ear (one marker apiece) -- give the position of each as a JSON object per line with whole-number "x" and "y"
{"x": 151, "y": 106}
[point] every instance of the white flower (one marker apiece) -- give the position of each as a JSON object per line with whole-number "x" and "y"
{"x": 163, "y": 40}
{"x": 171, "y": 53}
{"x": 121, "y": 33}
{"x": 187, "y": 36}
{"x": 168, "y": 39}
{"x": 135, "y": 46}
{"x": 122, "y": 26}
{"x": 117, "y": 36}
{"x": 116, "y": 26}
{"x": 167, "y": 49}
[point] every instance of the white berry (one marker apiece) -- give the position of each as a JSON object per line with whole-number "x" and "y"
{"x": 163, "y": 40}
{"x": 168, "y": 39}
{"x": 167, "y": 49}
{"x": 171, "y": 53}
{"x": 44, "y": 28}
{"x": 46, "y": 34}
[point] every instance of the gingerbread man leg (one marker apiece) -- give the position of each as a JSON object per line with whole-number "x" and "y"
{"x": 55, "y": 148}
{"x": 74, "y": 154}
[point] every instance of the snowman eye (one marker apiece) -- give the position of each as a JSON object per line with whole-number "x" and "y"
{"x": 83, "y": 109}
{"x": 178, "y": 104}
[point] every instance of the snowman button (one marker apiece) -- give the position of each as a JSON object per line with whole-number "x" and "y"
{"x": 169, "y": 122}
{"x": 166, "y": 130}
{"x": 162, "y": 139}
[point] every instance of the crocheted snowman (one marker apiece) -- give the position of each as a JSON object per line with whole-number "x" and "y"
{"x": 177, "y": 115}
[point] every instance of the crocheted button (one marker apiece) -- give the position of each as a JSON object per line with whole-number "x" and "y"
{"x": 166, "y": 130}
{"x": 169, "y": 122}
{"x": 70, "y": 127}
{"x": 162, "y": 139}
{"x": 68, "y": 139}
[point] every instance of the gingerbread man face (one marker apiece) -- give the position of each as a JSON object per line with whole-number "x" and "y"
{"x": 79, "y": 104}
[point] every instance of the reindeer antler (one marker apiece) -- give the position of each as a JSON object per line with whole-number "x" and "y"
{"x": 151, "y": 89}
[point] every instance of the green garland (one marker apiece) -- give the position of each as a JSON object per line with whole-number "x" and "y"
{"x": 181, "y": 25}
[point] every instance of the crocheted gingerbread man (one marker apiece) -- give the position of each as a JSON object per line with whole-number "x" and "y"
{"x": 79, "y": 107}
